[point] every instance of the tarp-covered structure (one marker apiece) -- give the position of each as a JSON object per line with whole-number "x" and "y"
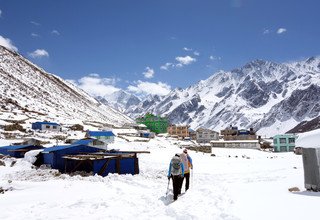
{"x": 18, "y": 151}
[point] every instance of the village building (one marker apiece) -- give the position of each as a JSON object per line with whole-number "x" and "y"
{"x": 204, "y": 135}
{"x": 105, "y": 136}
{"x": 233, "y": 133}
{"x": 192, "y": 134}
{"x": 181, "y": 131}
{"x": 46, "y": 126}
{"x": 146, "y": 134}
{"x": 91, "y": 142}
{"x": 72, "y": 158}
{"x": 154, "y": 123}
{"x": 18, "y": 151}
{"x": 284, "y": 142}
{"x": 246, "y": 144}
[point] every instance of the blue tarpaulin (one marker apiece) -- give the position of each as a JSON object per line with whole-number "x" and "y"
{"x": 18, "y": 151}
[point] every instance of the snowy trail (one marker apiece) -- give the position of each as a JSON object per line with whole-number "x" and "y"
{"x": 236, "y": 184}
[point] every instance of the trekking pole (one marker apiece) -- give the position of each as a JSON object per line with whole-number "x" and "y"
{"x": 168, "y": 188}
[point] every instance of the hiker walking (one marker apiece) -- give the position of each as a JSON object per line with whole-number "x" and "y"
{"x": 176, "y": 172}
{"x": 187, "y": 162}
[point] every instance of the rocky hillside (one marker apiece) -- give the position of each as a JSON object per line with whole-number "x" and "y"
{"x": 30, "y": 93}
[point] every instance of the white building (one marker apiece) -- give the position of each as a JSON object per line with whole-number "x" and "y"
{"x": 204, "y": 135}
{"x": 247, "y": 144}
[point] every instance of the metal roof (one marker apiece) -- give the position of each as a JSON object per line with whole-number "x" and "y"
{"x": 58, "y": 147}
{"x": 100, "y": 133}
{"x": 16, "y": 147}
{"x": 46, "y": 123}
{"x": 62, "y": 147}
{"x": 83, "y": 142}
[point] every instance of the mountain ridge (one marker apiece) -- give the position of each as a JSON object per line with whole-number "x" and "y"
{"x": 247, "y": 96}
{"x": 31, "y": 89}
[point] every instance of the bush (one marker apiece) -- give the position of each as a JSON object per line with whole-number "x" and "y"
{"x": 14, "y": 127}
{"x": 59, "y": 137}
{"x": 76, "y": 127}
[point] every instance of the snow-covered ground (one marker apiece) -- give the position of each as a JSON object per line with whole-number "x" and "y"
{"x": 235, "y": 184}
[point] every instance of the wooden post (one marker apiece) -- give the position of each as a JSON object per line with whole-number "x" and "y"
{"x": 65, "y": 165}
{"x": 104, "y": 167}
{"x": 136, "y": 164}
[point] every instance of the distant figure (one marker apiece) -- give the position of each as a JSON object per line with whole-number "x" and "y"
{"x": 187, "y": 162}
{"x": 176, "y": 172}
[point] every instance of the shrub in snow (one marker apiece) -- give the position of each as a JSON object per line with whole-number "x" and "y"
{"x": 14, "y": 127}
{"x": 76, "y": 127}
{"x": 294, "y": 189}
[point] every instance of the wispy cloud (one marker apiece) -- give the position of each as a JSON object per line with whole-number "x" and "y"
{"x": 186, "y": 60}
{"x": 6, "y": 42}
{"x": 266, "y": 31}
{"x": 167, "y": 66}
{"x": 55, "y": 32}
{"x": 181, "y": 61}
{"x": 281, "y": 30}
{"x": 187, "y": 49}
{"x": 196, "y": 53}
{"x": 146, "y": 88}
{"x": 149, "y": 73}
{"x": 39, "y": 53}
{"x": 213, "y": 58}
{"x": 35, "y": 35}
{"x": 0, "y": 13}
{"x": 35, "y": 23}
{"x": 96, "y": 85}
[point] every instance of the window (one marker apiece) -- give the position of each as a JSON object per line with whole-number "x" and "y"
{"x": 275, "y": 141}
{"x": 47, "y": 126}
{"x": 54, "y": 127}
{"x": 291, "y": 140}
{"x": 282, "y": 141}
{"x": 283, "y": 148}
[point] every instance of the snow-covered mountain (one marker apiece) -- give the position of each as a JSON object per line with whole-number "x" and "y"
{"x": 267, "y": 96}
{"x": 28, "y": 90}
{"x": 120, "y": 100}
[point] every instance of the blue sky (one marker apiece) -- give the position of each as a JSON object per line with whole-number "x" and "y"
{"x": 153, "y": 46}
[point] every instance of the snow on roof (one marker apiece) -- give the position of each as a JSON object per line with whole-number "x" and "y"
{"x": 124, "y": 131}
{"x": 309, "y": 139}
{"x": 235, "y": 141}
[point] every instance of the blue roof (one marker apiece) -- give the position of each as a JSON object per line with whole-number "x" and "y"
{"x": 100, "y": 133}
{"x": 55, "y": 148}
{"x": 83, "y": 142}
{"x": 16, "y": 147}
{"x": 46, "y": 123}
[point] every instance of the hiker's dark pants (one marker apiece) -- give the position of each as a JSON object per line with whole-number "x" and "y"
{"x": 187, "y": 177}
{"x": 176, "y": 182}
